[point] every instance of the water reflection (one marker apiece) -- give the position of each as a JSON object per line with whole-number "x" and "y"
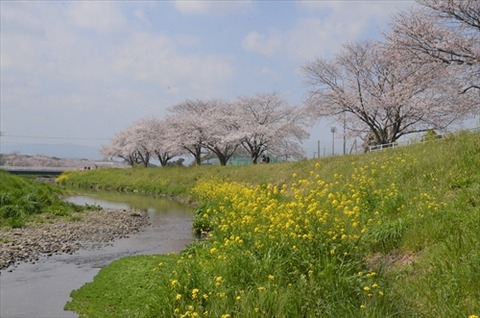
{"x": 119, "y": 200}
{"x": 42, "y": 289}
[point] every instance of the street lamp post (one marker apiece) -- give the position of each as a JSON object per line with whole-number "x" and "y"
{"x": 333, "y": 130}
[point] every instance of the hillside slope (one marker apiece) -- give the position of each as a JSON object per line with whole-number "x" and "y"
{"x": 385, "y": 234}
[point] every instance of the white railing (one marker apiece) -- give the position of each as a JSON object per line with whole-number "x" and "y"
{"x": 390, "y": 145}
{"x": 416, "y": 141}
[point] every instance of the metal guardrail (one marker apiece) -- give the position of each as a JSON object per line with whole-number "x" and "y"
{"x": 39, "y": 168}
{"x": 35, "y": 171}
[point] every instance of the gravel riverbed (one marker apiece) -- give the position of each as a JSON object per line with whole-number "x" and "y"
{"x": 91, "y": 229}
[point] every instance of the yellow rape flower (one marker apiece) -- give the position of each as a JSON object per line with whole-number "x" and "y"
{"x": 218, "y": 280}
{"x": 195, "y": 293}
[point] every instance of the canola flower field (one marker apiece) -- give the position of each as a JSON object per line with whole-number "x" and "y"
{"x": 389, "y": 234}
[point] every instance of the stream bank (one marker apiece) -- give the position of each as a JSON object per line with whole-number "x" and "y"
{"x": 85, "y": 230}
{"x": 42, "y": 288}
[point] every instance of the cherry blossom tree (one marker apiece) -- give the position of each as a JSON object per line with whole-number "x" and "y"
{"x": 222, "y": 130}
{"x": 142, "y": 140}
{"x": 447, "y": 31}
{"x": 134, "y": 144}
{"x": 187, "y": 129}
{"x": 162, "y": 145}
{"x": 206, "y": 128}
{"x": 373, "y": 89}
{"x": 442, "y": 31}
{"x": 268, "y": 123}
{"x": 117, "y": 148}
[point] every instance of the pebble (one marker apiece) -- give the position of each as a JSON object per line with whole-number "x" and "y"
{"x": 94, "y": 229}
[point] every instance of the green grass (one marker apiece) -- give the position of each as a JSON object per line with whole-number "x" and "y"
{"x": 127, "y": 295}
{"x": 283, "y": 242}
{"x": 177, "y": 181}
{"x": 23, "y": 200}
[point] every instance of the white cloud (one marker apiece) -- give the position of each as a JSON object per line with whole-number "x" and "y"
{"x": 324, "y": 28}
{"x": 310, "y": 37}
{"x": 271, "y": 74}
{"x": 313, "y": 37}
{"x": 90, "y": 77}
{"x": 263, "y": 44}
{"x": 206, "y": 7}
{"x": 21, "y": 31}
{"x": 140, "y": 15}
{"x": 187, "y": 40}
{"x": 155, "y": 59}
{"x": 101, "y": 16}
{"x": 359, "y": 9}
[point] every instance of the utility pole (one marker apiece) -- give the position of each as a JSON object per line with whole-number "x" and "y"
{"x": 318, "y": 148}
{"x": 333, "y": 130}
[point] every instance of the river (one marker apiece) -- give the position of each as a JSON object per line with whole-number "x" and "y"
{"x": 43, "y": 288}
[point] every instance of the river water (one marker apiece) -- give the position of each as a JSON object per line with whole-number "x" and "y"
{"x": 43, "y": 288}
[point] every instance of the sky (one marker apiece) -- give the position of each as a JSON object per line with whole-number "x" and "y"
{"x": 78, "y": 72}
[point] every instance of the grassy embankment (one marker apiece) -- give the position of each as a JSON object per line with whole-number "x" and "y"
{"x": 386, "y": 234}
{"x": 23, "y": 200}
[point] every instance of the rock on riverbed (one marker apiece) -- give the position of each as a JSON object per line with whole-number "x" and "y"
{"x": 91, "y": 229}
